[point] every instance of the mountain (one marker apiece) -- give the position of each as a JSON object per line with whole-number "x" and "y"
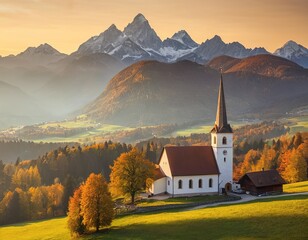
{"x": 16, "y": 107}
{"x": 140, "y": 32}
{"x": 101, "y": 43}
{"x": 264, "y": 64}
{"x": 184, "y": 38}
{"x": 139, "y": 41}
{"x": 42, "y": 55}
{"x": 151, "y": 92}
{"x": 214, "y": 47}
{"x": 81, "y": 81}
{"x": 294, "y": 52}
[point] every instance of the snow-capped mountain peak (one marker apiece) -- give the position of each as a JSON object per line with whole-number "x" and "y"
{"x": 294, "y": 52}
{"x": 183, "y": 37}
{"x": 141, "y": 33}
{"x": 290, "y": 49}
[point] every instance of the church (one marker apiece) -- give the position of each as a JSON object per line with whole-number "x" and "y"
{"x": 189, "y": 170}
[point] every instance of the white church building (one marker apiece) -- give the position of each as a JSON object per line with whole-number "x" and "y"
{"x": 198, "y": 169}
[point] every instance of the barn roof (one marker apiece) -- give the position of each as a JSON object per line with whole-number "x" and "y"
{"x": 264, "y": 178}
{"x": 191, "y": 160}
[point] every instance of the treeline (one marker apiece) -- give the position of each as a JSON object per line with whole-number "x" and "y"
{"x": 245, "y": 138}
{"x": 12, "y": 150}
{"x": 51, "y": 179}
{"x": 288, "y": 155}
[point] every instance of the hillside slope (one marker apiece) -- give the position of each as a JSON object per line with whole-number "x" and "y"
{"x": 150, "y": 92}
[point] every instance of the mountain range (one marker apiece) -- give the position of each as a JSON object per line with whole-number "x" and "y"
{"x": 151, "y": 92}
{"x": 139, "y": 41}
{"x": 55, "y": 84}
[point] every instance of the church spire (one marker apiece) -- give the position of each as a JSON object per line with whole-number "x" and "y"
{"x": 221, "y": 123}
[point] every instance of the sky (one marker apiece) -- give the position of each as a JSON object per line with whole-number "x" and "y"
{"x": 65, "y": 24}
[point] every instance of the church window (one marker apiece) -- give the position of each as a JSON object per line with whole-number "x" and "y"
{"x": 168, "y": 182}
{"x": 190, "y": 183}
{"x": 214, "y": 139}
{"x": 210, "y": 183}
{"x": 200, "y": 183}
{"x": 224, "y": 140}
{"x": 224, "y": 159}
{"x": 180, "y": 184}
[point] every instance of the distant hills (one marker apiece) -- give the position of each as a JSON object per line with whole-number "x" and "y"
{"x": 150, "y": 92}
{"x": 54, "y": 85}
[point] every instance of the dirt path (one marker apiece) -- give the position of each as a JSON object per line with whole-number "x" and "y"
{"x": 247, "y": 198}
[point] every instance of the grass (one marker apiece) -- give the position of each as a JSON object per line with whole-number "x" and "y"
{"x": 204, "y": 129}
{"x": 277, "y": 218}
{"x": 296, "y": 187}
{"x": 298, "y": 124}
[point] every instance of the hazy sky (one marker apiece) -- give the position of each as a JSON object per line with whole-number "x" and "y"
{"x": 65, "y": 24}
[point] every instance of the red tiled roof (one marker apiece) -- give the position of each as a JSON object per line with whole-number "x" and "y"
{"x": 264, "y": 178}
{"x": 191, "y": 160}
{"x": 158, "y": 173}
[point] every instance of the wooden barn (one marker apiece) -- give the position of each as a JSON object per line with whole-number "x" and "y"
{"x": 262, "y": 182}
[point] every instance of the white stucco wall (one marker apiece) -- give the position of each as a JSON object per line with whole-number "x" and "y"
{"x": 195, "y": 188}
{"x": 159, "y": 186}
{"x": 224, "y": 157}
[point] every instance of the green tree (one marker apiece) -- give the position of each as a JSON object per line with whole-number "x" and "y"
{"x": 129, "y": 174}
{"x": 96, "y": 203}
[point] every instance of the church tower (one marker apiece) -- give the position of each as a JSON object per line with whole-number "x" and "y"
{"x": 222, "y": 142}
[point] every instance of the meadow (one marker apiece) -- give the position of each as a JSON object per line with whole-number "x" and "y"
{"x": 277, "y": 218}
{"x": 296, "y": 187}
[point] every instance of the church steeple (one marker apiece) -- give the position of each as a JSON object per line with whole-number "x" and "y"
{"x": 221, "y": 123}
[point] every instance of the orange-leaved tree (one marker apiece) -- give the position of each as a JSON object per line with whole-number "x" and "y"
{"x": 91, "y": 206}
{"x": 75, "y": 218}
{"x": 129, "y": 174}
{"x": 96, "y": 203}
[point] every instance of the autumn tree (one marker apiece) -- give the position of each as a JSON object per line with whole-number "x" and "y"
{"x": 75, "y": 218}
{"x": 96, "y": 203}
{"x": 129, "y": 174}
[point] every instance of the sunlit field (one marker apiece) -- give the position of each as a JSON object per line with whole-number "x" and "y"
{"x": 278, "y": 218}
{"x": 296, "y": 187}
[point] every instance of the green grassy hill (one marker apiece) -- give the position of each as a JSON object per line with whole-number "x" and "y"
{"x": 277, "y": 218}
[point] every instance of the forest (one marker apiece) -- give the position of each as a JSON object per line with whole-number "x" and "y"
{"x": 41, "y": 188}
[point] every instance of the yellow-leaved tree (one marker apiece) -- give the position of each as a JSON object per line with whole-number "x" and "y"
{"x": 75, "y": 218}
{"x": 96, "y": 203}
{"x": 91, "y": 206}
{"x": 129, "y": 174}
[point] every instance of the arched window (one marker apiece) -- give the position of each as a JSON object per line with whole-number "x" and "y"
{"x": 224, "y": 140}
{"x": 180, "y": 184}
{"x": 190, "y": 183}
{"x": 210, "y": 183}
{"x": 200, "y": 183}
{"x": 214, "y": 140}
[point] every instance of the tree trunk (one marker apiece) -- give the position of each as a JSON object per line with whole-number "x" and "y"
{"x": 133, "y": 198}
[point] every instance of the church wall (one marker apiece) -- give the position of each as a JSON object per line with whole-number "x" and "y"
{"x": 224, "y": 157}
{"x": 159, "y": 186}
{"x": 195, "y": 188}
{"x": 164, "y": 164}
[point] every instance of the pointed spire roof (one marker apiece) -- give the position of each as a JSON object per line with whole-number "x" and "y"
{"x": 221, "y": 123}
